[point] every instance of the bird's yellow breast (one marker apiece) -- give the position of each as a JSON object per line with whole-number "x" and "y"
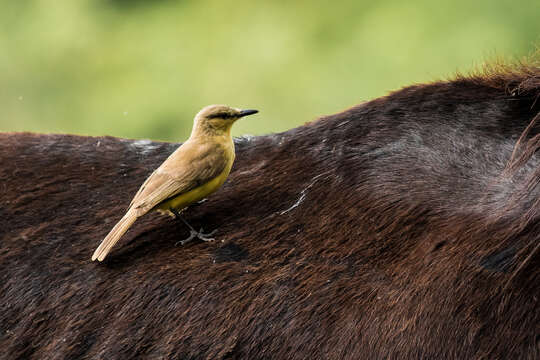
{"x": 183, "y": 200}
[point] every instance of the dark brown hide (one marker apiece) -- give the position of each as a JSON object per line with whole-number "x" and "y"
{"x": 400, "y": 228}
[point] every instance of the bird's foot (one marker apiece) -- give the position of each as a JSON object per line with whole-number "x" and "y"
{"x": 197, "y": 234}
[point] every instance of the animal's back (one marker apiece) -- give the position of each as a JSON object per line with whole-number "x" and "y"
{"x": 385, "y": 231}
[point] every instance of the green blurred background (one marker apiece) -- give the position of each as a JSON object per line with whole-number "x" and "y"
{"x": 142, "y": 69}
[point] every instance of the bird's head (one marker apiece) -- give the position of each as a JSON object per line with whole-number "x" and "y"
{"x": 218, "y": 119}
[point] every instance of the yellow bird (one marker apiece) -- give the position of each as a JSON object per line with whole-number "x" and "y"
{"x": 195, "y": 170}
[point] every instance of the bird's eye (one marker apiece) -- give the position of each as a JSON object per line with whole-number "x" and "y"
{"x": 222, "y": 115}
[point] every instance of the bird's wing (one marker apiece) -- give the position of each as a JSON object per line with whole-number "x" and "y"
{"x": 141, "y": 189}
{"x": 189, "y": 166}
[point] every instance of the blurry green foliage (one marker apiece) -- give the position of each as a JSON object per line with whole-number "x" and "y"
{"x": 142, "y": 69}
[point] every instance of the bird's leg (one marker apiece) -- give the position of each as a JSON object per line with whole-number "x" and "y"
{"x": 193, "y": 233}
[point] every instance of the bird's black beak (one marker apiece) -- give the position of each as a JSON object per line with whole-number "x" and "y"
{"x": 247, "y": 112}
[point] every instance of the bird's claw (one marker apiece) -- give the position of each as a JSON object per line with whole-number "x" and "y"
{"x": 206, "y": 237}
{"x": 199, "y": 235}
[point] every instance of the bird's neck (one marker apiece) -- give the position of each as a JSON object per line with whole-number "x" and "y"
{"x": 207, "y": 132}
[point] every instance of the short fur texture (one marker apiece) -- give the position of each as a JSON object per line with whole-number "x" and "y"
{"x": 404, "y": 227}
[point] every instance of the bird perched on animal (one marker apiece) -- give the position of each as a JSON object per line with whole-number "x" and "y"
{"x": 195, "y": 170}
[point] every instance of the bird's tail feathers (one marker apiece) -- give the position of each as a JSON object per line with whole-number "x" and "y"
{"x": 114, "y": 235}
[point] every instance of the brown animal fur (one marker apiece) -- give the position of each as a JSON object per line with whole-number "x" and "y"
{"x": 405, "y": 227}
